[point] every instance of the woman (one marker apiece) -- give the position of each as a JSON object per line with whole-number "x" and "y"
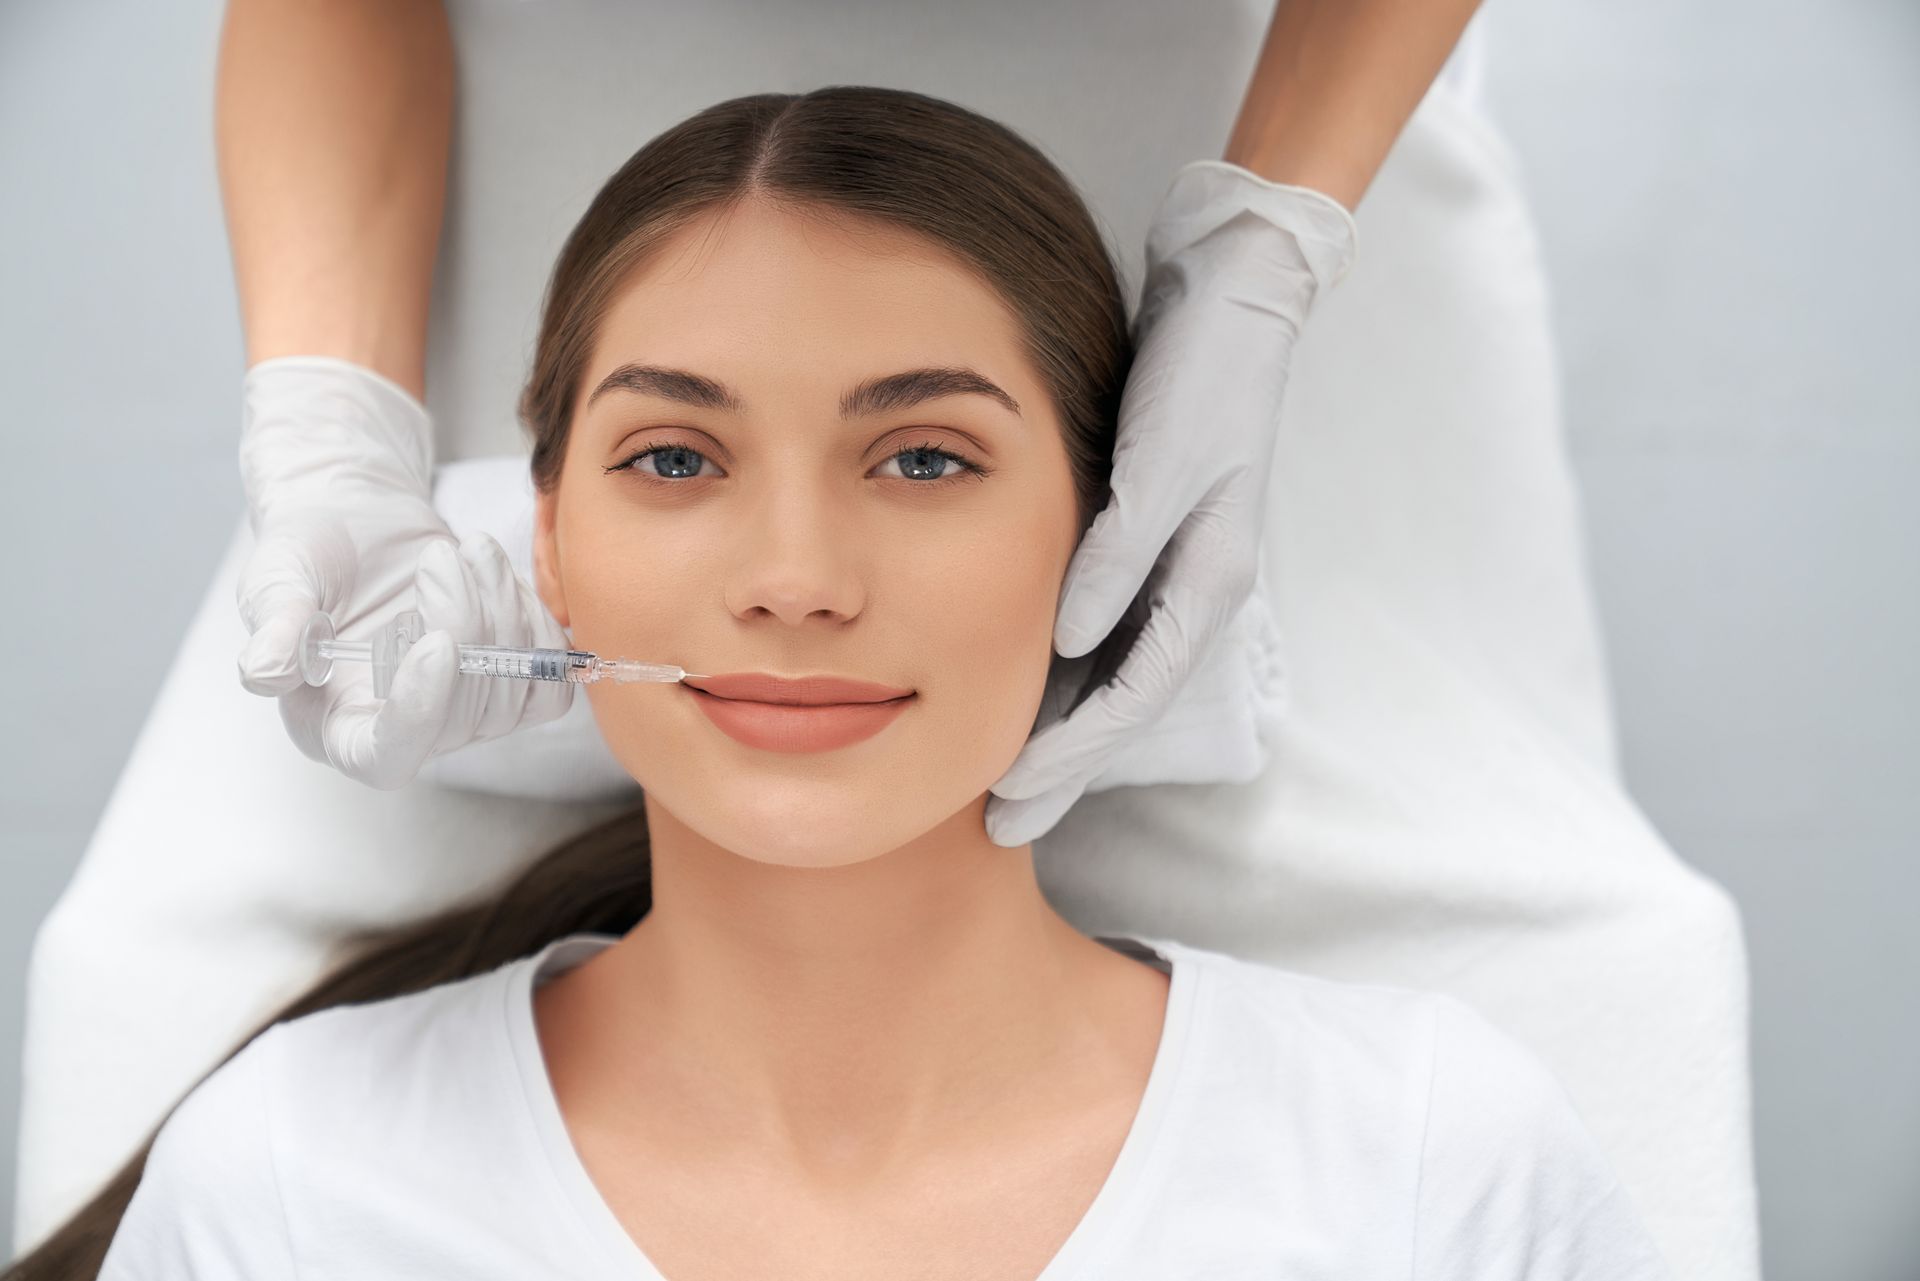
{"x": 798, "y": 1014}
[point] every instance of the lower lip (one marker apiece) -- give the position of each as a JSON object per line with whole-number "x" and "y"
{"x": 786, "y": 727}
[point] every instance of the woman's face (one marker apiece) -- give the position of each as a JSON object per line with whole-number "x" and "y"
{"x": 802, "y": 530}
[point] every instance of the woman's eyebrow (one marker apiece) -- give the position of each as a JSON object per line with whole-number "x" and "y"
{"x": 881, "y": 395}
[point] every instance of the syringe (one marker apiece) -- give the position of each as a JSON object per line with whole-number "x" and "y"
{"x": 319, "y": 651}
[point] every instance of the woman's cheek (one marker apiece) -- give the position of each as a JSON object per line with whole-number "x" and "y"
{"x": 621, "y": 606}
{"x": 996, "y": 637}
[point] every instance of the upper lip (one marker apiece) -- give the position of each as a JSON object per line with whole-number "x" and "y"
{"x": 763, "y": 687}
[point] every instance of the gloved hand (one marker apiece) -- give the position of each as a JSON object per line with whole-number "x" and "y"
{"x": 1233, "y": 266}
{"x": 337, "y": 462}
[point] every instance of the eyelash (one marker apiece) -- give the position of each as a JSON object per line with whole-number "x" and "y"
{"x": 968, "y": 470}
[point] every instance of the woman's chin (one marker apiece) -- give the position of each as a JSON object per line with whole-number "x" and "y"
{"x": 770, "y": 812}
{"x": 807, "y": 838}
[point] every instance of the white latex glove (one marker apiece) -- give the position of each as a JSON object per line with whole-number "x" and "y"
{"x": 337, "y": 461}
{"x": 1233, "y": 265}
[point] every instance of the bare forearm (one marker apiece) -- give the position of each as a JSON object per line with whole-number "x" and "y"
{"x": 332, "y": 123}
{"x": 1335, "y": 84}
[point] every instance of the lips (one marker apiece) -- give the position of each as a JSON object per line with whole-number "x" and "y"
{"x": 810, "y": 714}
{"x": 798, "y": 727}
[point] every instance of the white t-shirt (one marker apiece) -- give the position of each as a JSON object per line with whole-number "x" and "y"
{"x": 1292, "y": 1127}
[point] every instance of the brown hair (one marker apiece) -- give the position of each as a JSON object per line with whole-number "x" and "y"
{"x": 915, "y": 162}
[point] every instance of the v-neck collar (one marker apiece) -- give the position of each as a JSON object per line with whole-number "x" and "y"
{"x": 1130, "y": 1179}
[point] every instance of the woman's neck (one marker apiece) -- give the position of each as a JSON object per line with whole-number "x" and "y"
{"x": 846, "y": 1020}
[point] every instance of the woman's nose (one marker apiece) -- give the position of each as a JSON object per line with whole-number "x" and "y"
{"x": 797, "y": 556}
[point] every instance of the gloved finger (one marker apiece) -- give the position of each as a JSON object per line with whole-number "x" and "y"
{"x": 498, "y": 584}
{"x": 547, "y": 700}
{"x": 449, "y": 600}
{"x": 269, "y": 662}
{"x": 384, "y": 743}
{"x": 1013, "y": 823}
{"x": 1120, "y": 547}
{"x": 1182, "y": 625}
{"x": 502, "y": 699}
{"x": 291, "y": 572}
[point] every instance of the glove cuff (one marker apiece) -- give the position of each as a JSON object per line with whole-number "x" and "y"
{"x": 1205, "y": 194}
{"x": 288, "y": 390}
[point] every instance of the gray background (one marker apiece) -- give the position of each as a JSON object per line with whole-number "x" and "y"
{"x": 1727, "y": 194}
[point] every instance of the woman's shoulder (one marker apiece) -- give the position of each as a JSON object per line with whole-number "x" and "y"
{"x": 208, "y": 1200}
{"x": 1391, "y": 1031}
{"x": 1428, "y": 1114}
{"x": 285, "y": 1127}
{"x": 356, "y": 1055}
{"x": 1512, "y": 1176}
{"x": 338, "y": 1069}
{"x": 1506, "y": 1172}
{"x": 347, "y": 1045}
{"x": 1463, "y": 1057}
{"x": 1375, "y": 1019}
{"x": 382, "y": 1014}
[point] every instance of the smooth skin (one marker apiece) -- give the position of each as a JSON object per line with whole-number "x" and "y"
{"x": 853, "y": 1038}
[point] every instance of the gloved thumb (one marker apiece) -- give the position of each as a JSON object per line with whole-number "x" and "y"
{"x": 1013, "y": 822}
{"x": 294, "y": 570}
{"x": 269, "y": 661}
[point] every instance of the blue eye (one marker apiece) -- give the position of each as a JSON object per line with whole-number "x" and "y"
{"x": 673, "y": 458}
{"x": 675, "y": 463}
{"x": 931, "y": 457}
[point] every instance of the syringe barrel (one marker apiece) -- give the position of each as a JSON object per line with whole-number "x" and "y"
{"x": 570, "y": 665}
